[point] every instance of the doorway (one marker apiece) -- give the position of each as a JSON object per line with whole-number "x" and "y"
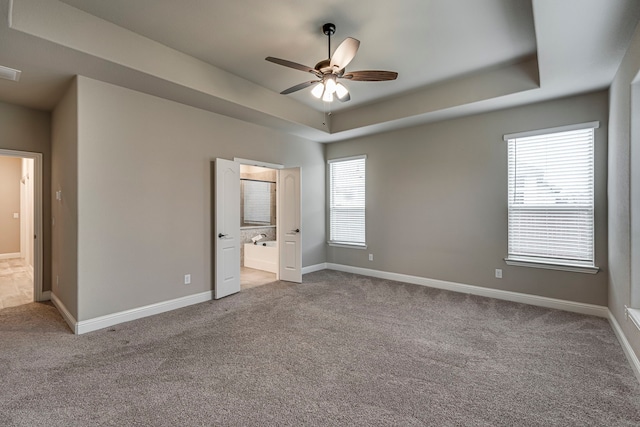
{"x": 259, "y": 258}
{"x": 271, "y": 246}
{"x": 20, "y": 226}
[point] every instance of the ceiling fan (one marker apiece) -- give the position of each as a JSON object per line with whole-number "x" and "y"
{"x": 328, "y": 71}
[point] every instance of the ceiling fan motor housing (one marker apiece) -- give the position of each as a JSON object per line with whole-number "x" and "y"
{"x": 329, "y": 29}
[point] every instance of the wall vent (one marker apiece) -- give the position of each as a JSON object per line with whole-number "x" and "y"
{"x": 10, "y": 73}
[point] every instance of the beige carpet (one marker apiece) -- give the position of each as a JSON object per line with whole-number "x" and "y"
{"x": 339, "y": 349}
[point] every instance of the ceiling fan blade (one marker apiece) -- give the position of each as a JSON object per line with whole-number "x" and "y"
{"x": 344, "y": 53}
{"x": 298, "y": 87}
{"x": 371, "y": 76}
{"x": 293, "y": 65}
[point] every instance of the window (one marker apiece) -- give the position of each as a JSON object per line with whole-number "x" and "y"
{"x": 347, "y": 201}
{"x": 257, "y": 202}
{"x": 551, "y": 198}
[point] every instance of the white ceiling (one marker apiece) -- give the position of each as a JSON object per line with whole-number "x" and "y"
{"x": 453, "y": 57}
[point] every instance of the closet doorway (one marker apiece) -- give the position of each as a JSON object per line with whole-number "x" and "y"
{"x": 20, "y": 228}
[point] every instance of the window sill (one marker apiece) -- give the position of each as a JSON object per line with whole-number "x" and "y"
{"x": 347, "y": 245}
{"x": 521, "y": 262}
{"x": 634, "y": 314}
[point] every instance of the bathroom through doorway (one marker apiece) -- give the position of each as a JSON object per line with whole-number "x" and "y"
{"x": 259, "y": 258}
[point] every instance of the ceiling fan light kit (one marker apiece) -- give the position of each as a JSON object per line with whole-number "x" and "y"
{"x": 328, "y": 71}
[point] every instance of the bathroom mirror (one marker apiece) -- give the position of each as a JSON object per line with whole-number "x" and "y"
{"x": 257, "y": 203}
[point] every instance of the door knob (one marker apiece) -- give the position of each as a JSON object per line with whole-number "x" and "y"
{"x": 220, "y": 235}
{"x": 297, "y": 230}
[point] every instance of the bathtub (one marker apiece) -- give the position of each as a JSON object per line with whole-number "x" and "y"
{"x": 263, "y": 256}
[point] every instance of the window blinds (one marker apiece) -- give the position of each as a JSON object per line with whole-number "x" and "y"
{"x": 347, "y": 201}
{"x": 551, "y": 197}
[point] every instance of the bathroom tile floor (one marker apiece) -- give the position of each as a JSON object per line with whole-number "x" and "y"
{"x": 16, "y": 283}
{"x": 250, "y": 277}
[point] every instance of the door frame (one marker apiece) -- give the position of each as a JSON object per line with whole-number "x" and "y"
{"x": 38, "y": 293}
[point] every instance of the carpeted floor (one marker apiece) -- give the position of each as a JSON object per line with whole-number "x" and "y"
{"x": 339, "y": 349}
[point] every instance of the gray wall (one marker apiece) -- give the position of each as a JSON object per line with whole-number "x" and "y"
{"x": 10, "y": 175}
{"x": 64, "y": 178}
{"x": 144, "y": 194}
{"x": 24, "y": 129}
{"x": 622, "y": 186}
{"x": 437, "y": 200}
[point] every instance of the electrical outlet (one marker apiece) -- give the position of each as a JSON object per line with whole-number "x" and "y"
{"x": 498, "y": 273}
{"x": 370, "y": 257}
{"x": 16, "y": 215}
{"x": 187, "y": 279}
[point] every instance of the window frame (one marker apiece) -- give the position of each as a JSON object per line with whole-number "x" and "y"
{"x": 339, "y": 243}
{"x": 555, "y": 263}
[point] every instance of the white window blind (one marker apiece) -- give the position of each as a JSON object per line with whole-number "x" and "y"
{"x": 347, "y": 201}
{"x": 551, "y": 197}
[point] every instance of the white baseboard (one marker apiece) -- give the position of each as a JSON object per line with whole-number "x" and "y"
{"x": 10, "y": 256}
{"x": 314, "y": 268}
{"x": 626, "y": 347}
{"x": 101, "y": 322}
{"x": 576, "y": 307}
{"x": 71, "y": 321}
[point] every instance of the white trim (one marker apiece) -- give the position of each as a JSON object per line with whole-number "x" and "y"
{"x": 558, "y": 304}
{"x": 348, "y": 245}
{"x": 11, "y": 255}
{"x": 257, "y": 163}
{"x": 548, "y": 266}
{"x": 344, "y": 159}
{"x": 314, "y": 268}
{"x": 626, "y": 347}
{"x": 634, "y": 315}
{"x": 71, "y": 321}
{"x": 567, "y": 128}
{"x": 105, "y": 321}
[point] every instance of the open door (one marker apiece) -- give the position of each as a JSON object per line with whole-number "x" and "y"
{"x": 227, "y": 228}
{"x": 289, "y": 228}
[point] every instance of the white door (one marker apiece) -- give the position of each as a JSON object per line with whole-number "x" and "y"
{"x": 227, "y": 228}
{"x": 289, "y": 227}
